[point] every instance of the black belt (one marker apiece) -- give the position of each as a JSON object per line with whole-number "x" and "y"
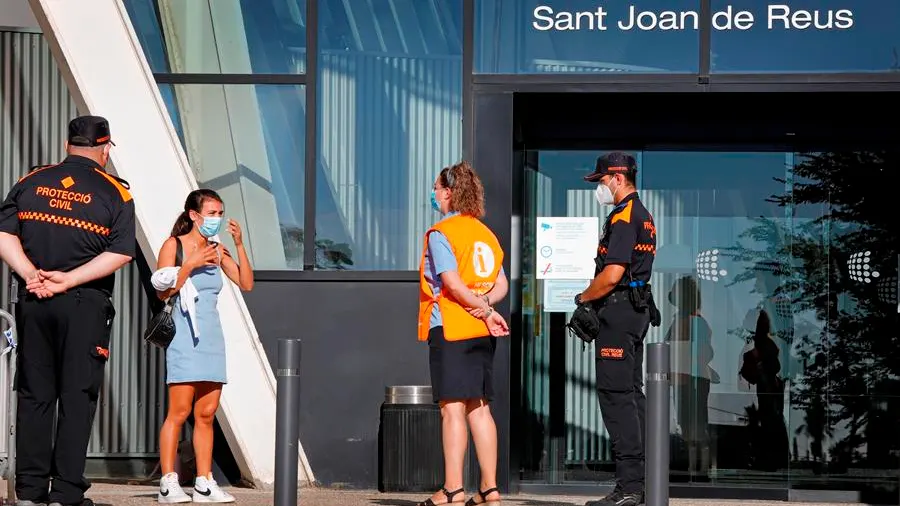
{"x": 618, "y": 295}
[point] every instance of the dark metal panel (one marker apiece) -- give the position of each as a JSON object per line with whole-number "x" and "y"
{"x": 582, "y": 79}
{"x": 611, "y": 87}
{"x": 312, "y": 148}
{"x": 777, "y": 86}
{"x": 685, "y": 83}
{"x": 493, "y": 158}
{"x": 468, "y": 59}
{"x": 357, "y": 339}
{"x": 705, "y": 36}
{"x": 571, "y": 121}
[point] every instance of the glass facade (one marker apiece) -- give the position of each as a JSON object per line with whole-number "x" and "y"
{"x": 245, "y": 141}
{"x": 805, "y": 36}
{"x": 584, "y": 36}
{"x": 222, "y": 37}
{"x": 390, "y": 117}
{"x": 778, "y": 291}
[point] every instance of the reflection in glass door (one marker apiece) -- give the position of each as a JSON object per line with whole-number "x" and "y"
{"x": 778, "y": 289}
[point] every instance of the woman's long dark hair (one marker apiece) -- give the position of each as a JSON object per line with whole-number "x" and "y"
{"x": 194, "y": 202}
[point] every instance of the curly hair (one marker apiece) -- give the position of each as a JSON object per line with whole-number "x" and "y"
{"x": 467, "y": 195}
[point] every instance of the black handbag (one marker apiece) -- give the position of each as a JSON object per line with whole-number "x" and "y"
{"x": 161, "y": 328}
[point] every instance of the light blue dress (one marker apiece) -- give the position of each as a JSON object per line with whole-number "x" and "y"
{"x": 198, "y": 358}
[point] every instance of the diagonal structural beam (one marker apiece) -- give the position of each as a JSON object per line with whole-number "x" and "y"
{"x": 103, "y": 64}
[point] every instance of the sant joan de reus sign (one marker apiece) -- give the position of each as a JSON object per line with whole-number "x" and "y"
{"x": 772, "y": 16}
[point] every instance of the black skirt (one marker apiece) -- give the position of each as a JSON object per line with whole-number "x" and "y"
{"x": 461, "y": 370}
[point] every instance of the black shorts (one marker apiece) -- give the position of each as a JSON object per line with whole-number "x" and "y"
{"x": 461, "y": 369}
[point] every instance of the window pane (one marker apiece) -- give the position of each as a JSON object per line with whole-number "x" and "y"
{"x": 846, "y": 404}
{"x": 390, "y": 100}
{"x": 225, "y": 36}
{"x": 247, "y": 143}
{"x": 806, "y": 36}
{"x": 572, "y": 36}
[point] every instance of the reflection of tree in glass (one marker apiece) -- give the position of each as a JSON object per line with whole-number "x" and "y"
{"x": 853, "y": 354}
{"x": 329, "y": 254}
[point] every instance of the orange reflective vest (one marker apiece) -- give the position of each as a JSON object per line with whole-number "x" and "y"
{"x": 479, "y": 258}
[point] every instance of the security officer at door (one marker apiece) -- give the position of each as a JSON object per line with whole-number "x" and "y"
{"x": 65, "y": 230}
{"x": 620, "y": 295}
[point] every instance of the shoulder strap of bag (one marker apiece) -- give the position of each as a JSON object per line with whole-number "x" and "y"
{"x": 179, "y": 252}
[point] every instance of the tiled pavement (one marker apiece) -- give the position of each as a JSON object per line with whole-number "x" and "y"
{"x": 133, "y": 495}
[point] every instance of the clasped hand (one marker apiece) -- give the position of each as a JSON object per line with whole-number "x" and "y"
{"x": 46, "y": 284}
{"x": 496, "y": 325}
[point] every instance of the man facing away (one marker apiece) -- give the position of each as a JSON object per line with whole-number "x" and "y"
{"x": 65, "y": 230}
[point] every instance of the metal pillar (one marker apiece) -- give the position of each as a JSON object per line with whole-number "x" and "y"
{"x": 657, "y": 424}
{"x": 287, "y": 422}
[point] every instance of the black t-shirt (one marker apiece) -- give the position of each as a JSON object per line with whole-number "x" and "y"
{"x": 67, "y": 214}
{"x": 629, "y": 238}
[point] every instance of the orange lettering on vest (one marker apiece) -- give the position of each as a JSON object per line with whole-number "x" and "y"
{"x": 479, "y": 258}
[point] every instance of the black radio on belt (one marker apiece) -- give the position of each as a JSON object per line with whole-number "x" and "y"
{"x": 642, "y": 299}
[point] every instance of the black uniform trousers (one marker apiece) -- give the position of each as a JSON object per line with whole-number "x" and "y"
{"x": 62, "y": 353}
{"x": 620, "y": 380}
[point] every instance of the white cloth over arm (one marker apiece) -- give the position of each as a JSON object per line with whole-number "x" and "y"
{"x": 165, "y": 278}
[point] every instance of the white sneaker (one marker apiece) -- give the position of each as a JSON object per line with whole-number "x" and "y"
{"x": 170, "y": 491}
{"x": 207, "y": 490}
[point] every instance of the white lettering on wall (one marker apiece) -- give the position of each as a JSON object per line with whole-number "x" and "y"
{"x": 781, "y": 16}
{"x": 778, "y": 17}
{"x": 546, "y": 19}
{"x": 664, "y": 20}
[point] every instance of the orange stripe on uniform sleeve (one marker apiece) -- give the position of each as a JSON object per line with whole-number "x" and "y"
{"x": 126, "y": 195}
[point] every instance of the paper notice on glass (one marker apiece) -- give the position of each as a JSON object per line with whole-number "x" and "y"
{"x": 566, "y": 247}
{"x": 559, "y": 294}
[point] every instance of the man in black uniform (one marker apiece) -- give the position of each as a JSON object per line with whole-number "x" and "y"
{"x": 64, "y": 229}
{"x": 620, "y": 293}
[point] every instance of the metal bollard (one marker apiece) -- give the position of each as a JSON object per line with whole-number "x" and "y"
{"x": 657, "y": 448}
{"x": 287, "y": 422}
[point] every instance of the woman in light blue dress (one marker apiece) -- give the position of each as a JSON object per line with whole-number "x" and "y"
{"x": 195, "y": 359}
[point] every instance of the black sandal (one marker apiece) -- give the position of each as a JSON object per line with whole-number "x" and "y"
{"x": 450, "y": 496}
{"x": 483, "y": 494}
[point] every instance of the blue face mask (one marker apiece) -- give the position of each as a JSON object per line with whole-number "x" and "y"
{"x": 434, "y": 202}
{"x": 210, "y": 226}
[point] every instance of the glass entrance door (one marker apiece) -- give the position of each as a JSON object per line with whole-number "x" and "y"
{"x": 777, "y": 282}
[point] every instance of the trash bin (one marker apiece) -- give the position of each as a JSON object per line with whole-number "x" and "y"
{"x": 410, "y": 456}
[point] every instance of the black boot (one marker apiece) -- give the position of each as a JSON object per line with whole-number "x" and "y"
{"x": 619, "y": 498}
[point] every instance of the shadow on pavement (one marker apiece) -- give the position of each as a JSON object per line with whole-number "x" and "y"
{"x": 394, "y": 502}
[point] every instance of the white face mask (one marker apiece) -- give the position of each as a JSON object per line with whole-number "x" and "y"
{"x": 604, "y": 195}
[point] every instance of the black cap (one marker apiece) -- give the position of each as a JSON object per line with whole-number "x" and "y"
{"x": 89, "y": 131}
{"x": 615, "y": 162}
